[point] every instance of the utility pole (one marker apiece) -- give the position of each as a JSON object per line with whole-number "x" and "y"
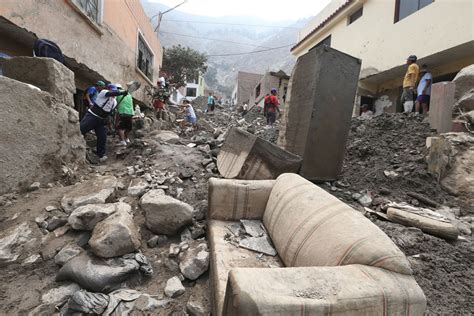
{"x": 160, "y": 15}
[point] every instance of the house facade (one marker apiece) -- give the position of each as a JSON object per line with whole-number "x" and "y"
{"x": 278, "y": 80}
{"x": 246, "y": 82}
{"x": 111, "y": 40}
{"x": 383, "y": 33}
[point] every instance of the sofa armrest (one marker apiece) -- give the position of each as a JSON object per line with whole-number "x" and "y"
{"x": 343, "y": 290}
{"x": 238, "y": 199}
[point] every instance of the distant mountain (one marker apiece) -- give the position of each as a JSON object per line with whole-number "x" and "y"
{"x": 222, "y": 71}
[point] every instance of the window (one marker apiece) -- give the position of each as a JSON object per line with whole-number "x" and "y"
{"x": 404, "y": 8}
{"x": 91, "y": 8}
{"x": 326, "y": 41}
{"x": 144, "y": 58}
{"x": 356, "y": 15}
{"x": 258, "y": 89}
{"x": 191, "y": 92}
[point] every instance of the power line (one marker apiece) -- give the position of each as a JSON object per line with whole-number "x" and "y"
{"x": 213, "y": 39}
{"x": 254, "y": 52}
{"x": 235, "y": 24}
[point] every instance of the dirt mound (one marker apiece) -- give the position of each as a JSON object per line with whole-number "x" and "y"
{"x": 386, "y": 156}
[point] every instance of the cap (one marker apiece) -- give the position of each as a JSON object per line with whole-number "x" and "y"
{"x": 100, "y": 83}
{"x": 111, "y": 87}
{"x": 273, "y": 90}
{"x": 412, "y": 58}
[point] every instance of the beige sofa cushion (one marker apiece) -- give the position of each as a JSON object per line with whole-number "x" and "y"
{"x": 225, "y": 256}
{"x": 310, "y": 227}
{"x": 346, "y": 290}
{"x": 238, "y": 199}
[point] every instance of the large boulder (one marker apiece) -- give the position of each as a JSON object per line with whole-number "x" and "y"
{"x": 95, "y": 191}
{"x": 464, "y": 81}
{"x": 115, "y": 236}
{"x": 466, "y": 102}
{"x": 87, "y": 216}
{"x": 164, "y": 214}
{"x": 45, "y": 73}
{"x": 195, "y": 262}
{"x": 39, "y": 135}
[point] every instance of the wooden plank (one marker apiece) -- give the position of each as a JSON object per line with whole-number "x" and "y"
{"x": 427, "y": 225}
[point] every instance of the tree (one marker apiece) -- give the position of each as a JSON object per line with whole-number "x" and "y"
{"x": 182, "y": 64}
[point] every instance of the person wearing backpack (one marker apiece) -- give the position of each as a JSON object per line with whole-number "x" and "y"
{"x": 271, "y": 104}
{"x": 92, "y": 92}
{"x": 125, "y": 112}
{"x": 211, "y": 103}
{"x": 96, "y": 117}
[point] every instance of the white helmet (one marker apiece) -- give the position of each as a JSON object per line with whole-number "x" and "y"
{"x": 118, "y": 85}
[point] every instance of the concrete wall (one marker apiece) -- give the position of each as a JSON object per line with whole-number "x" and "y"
{"x": 108, "y": 48}
{"x": 246, "y": 83}
{"x": 383, "y": 44}
{"x": 268, "y": 82}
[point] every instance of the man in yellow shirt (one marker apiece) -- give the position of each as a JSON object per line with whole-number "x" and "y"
{"x": 409, "y": 84}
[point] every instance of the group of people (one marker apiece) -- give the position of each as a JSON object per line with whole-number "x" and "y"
{"x": 103, "y": 101}
{"x": 416, "y": 87}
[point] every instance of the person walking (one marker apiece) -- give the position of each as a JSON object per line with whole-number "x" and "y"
{"x": 211, "y": 103}
{"x": 125, "y": 112}
{"x": 424, "y": 91}
{"x": 409, "y": 84}
{"x": 96, "y": 117}
{"x": 93, "y": 91}
{"x": 272, "y": 105}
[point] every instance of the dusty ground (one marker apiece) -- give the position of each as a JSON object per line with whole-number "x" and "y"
{"x": 394, "y": 143}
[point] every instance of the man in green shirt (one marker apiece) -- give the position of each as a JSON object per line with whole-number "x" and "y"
{"x": 126, "y": 112}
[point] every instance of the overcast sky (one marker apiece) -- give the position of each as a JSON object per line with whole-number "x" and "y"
{"x": 271, "y": 10}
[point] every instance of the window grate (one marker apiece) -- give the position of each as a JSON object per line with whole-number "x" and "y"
{"x": 90, "y": 8}
{"x": 145, "y": 58}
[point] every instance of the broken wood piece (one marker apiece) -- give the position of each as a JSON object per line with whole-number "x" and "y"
{"x": 427, "y": 225}
{"x": 423, "y": 199}
{"x": 246, "y": 156}
{"x": 376, "y": 213}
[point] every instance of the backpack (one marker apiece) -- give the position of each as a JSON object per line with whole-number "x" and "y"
{"x": 46, "y": 48}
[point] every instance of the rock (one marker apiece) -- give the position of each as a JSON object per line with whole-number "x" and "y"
{"x": 32, "y": 259}
{"x": 171, "y": 265}
{"x": 464, "y": 81}
{"x": 195, "y": 307}
{"x": 137, "y": 187}
{"x": 66, "y": 254}
{"x": 88, "y": 303}
{"x": 174, "y": 287}
{"x": 186, "y": 235}
{"x": 11, "y": 245}
{"x": 174, "y": 250}
{"x": 166, "y": 137}
{"x": 365, "y": 200}
{"x": 50, "y": 208}
{"x": 195, "y": 262}
{"x": 164, "y": 214}
{"x": 148, "y": 303}
{"x": 87, "y": 216}
{"x": 96, "y": 274}
{"x": 34, "y": 186}
{"x": 156, "y": 241}
{"x": 95, "y": 191}
{"x": 115, "y": 236}
{"x": 37, "y": 138}
{"x": 197, "y": 231}
{"x": 59, "y": 294}
{"x": 56, "y": 222}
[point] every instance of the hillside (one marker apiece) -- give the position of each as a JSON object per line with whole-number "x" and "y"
{"x": 234, "y": 39}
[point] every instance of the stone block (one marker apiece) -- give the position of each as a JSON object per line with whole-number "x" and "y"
{"x": 37, "y": 136}
{"x": 441, "y": 106}
{"x": 246, "y": 156}
{"x": 320, "y": 100}
{"x": 45, "y": 73}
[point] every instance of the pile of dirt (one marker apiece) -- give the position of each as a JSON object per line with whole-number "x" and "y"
{"x": 386, "y": 157}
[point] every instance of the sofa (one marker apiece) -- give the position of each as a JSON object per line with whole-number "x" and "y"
{"x": 331, "y": 260}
